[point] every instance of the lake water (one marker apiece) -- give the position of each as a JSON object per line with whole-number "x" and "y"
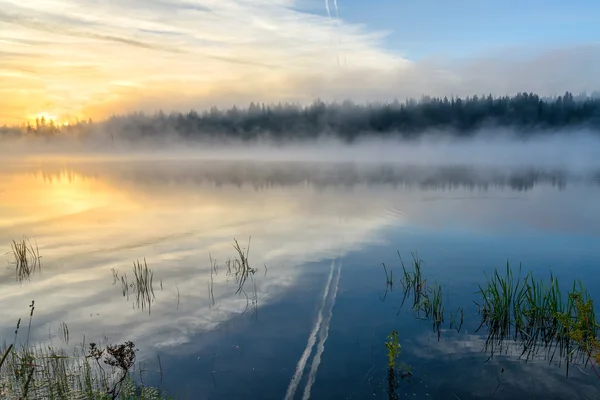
{"x": 319, "y": 235}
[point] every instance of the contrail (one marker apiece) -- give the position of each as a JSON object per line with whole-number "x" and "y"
{"x": 327, "y": 8}
{"x": 337, "y": 20}
{"x": 311, "y": 341}
{"x": 324, "y": 332}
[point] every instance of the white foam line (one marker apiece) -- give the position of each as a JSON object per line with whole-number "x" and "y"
{"x": 311, "y": 341}
{"x": 324, "y": 332}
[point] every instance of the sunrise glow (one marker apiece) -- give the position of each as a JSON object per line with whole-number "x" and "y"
{"x": 122, "y": 57}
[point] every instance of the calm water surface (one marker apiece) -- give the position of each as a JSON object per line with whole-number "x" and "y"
{"x": 319, "y": 235}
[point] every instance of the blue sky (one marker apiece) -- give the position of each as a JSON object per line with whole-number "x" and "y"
{"x": 73, "y": 59}
{"x": 423, "y": 28}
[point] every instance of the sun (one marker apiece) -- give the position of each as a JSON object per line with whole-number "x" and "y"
{"x": 46, "y": 117}
{"x": 57, "y": 120}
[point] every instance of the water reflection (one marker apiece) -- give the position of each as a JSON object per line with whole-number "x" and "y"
{"x": 90, "y": 221}
{"x": 503, "y": 377}
{"x": 322, "y": 174}
{"x": 91, "y": 218}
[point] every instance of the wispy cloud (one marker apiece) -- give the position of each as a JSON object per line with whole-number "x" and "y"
{"x": 189, "y": 49}
{"x": 69, "y": 57}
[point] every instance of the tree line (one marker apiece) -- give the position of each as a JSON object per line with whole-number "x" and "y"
{"x": 525, "y": 113}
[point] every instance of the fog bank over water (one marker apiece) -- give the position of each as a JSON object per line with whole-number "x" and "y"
{"x": 572, "y": 151}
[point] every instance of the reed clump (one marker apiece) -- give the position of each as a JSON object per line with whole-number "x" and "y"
{"x": 536, "y": 314}
{"x": 90, "y": 372}
{"x": 519, "y": 309}
{"x": 142, "y": 284}
{"x": 26, "y": 258}
{"x": 427, "y": 302}
{"x": 239, "y": 268}
{"x": 144, "y": 287}
{"x": 412, "y": 281}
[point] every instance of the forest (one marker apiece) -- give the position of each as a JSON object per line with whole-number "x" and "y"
{"x": 525, "y": 113}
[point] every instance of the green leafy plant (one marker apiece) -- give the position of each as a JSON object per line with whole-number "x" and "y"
{"x": 393, "y": 348}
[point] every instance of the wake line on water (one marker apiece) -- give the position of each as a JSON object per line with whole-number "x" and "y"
{"x": 323, "y": 334}
{"x": 311, "y": 340}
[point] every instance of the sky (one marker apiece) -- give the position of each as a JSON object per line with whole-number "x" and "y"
{"x": 79, "y": 59}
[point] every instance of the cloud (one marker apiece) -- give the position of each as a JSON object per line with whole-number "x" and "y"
{"x": 192, "y": 54}
{"x": 171, "y": 50}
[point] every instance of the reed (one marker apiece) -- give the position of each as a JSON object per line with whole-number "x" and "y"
{"x": 389, "y": 279}
{"x": 26, "y": 258}
{"x": 537, "y": 316}
{"x": 518, "y": 310}
{"x": 460, "y": 315}
{"x": 413, "y": 282}
{"x": 241, "y": 265}
{"x": 437, "y": 308}
{"x": 43, "y": 372}
{"x": 142, "y": 284}
{"x": 238, "y": 267}
{"x": 498, "y": 298}
{"x": 428, "y": 303}
{"x": 63, "y": 332}
{"x": 6, "y": 353}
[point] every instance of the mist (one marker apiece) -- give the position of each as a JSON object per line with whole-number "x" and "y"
{"x": 523, "y": 131}
{"x": 569, "y": 152}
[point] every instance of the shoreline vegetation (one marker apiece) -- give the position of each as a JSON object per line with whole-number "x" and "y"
{"x": 516, "y": 310}
{"x": 526, "y": 114}
{"x": 91, "y": 371}
{"x": 513, "y": 308}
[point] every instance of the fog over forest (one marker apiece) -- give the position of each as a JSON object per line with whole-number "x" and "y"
{"x": 526, "y": 114}
{"x": 523, "y": 130}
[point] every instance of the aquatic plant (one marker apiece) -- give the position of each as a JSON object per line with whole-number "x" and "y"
{"x": 43, "y": 372}
{"x": 518, "y": 310}
{"x": 144, "y": 287}
{"x": 26, "y": 258}
{"x": 457, "y": 324}
{"x": 499, "y": 296}
{"x": 437, "y": 308}
{"x": 393, "y": 351}
{"x": 142, "y": 284}
{"x": 535, "y": 315}
{"x": 389, "y": 279}
{"x": 428, "y": 303}
{"x": 580, "y": 325}
{"x": 389, "y": 282}
{"x": 241, "y": 265}
{"x": 393, "y": 348}
{"x": 412, "y": 281}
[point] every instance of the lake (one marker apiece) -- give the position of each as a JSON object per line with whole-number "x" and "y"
{"x": 314, "y": 311}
